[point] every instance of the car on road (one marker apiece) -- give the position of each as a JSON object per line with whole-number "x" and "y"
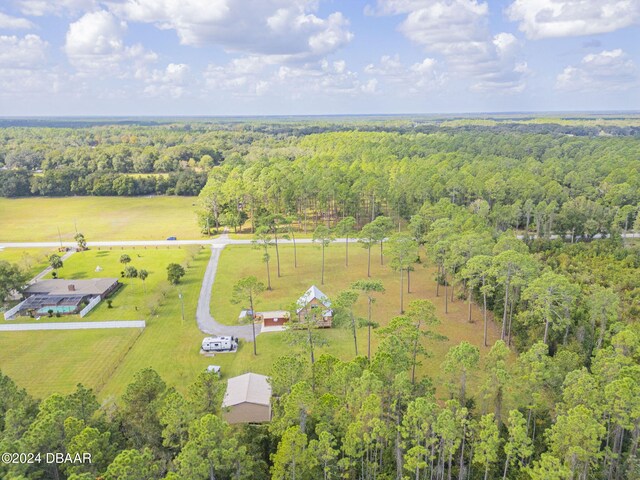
{"x": 171, "y": 238}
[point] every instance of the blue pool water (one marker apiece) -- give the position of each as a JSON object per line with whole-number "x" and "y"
{"x": 58, "y": 309}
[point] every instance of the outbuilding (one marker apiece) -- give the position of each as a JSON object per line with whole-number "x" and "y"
{"x": 274, "y": 318}
{"x": 247, "y": 399}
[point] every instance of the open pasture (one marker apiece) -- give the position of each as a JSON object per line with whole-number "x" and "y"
{"x": 98, "y": 218}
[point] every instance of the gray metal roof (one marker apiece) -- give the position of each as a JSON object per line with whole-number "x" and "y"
{"x": 313, "y": 292}
{"x": 248, "y": 388}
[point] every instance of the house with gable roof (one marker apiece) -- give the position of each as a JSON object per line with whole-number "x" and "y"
{"x": 247, "y": 399}
{"x": 315, "y": 303}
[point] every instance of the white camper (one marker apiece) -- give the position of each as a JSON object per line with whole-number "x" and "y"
{"x": 219, "y": 344}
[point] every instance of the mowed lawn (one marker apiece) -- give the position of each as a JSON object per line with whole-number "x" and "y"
{"x": 99, "y": 218}
{"x": 240, "y": 261}
{"x": 31, "y": 260}
{"x": 56, "y": 361}
{"x": 169, "y": 345}
{"x": 133, "y": 298}
{"x": 107, "y": 360}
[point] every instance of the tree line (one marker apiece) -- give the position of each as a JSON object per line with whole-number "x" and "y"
{"x": 71, "y": 181}
{"x": 541, "y": 417}
{"x": 543, "y": 184}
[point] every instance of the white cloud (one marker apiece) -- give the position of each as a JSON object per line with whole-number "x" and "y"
{"x": 38, "y": 8}
{"x": 24, "y": 68}
{"x": 95, "y": 44}
{"x": 287, "y": 29}
{"x": 240, "y": 77}
{"x": 563, "y": 18}
{"x": 258, "y": 76}
{"x": 26, "y": 52}
{"x": 326, "y": 78}
{"x": 404, "y": 80}
{"x": 370, "y": 87}
{"x": 458, "y": 31}
{"x": 31, "y": 82}
{"x": 8, "y": 22}
{"x": 168, "y": 82}
{"x": 609, "y": 70}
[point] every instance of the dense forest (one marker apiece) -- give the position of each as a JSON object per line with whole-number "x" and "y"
{"x": 150, "y": 158}
{"x": 534, "y": 226}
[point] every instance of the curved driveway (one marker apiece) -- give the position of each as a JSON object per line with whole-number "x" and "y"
{"x": 206, "y": 322}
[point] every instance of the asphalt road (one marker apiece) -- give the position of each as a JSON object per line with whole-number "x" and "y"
{"x": 221, "y": 241}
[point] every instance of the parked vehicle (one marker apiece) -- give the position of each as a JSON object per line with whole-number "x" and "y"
{"x": 219, "y": 344}
{"x": 171, "y": 238}
{"x": 214, "y": 369}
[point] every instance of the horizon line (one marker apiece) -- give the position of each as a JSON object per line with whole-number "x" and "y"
{"x": 324, "y": 115}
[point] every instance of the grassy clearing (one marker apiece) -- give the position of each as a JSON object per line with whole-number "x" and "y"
{"x": 55, "y": 361}
{"x": 99, "y": 218}
{"x": 247, "y": 235}
{"x": 31, "y": 260}
{"x": 168, "y": 344}
{"x": 239, "y": 261}
{"x": 130, "y": 302}
{"x": 47, "y": 362}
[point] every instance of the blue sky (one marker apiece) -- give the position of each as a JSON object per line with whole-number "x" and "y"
{"x": 274, "y": 57}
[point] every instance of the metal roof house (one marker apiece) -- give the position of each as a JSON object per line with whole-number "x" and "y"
{"x": 247, "y": 399}
{"x": 315, "y": 302}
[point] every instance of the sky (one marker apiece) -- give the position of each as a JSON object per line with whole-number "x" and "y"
{"x": 316, "y": 57}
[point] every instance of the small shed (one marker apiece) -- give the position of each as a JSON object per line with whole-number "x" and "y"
{"x": 247, "y": 399}
{"x": 274, "y": 318}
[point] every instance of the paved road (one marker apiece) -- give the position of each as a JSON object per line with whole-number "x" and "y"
{"x": 221, "y": 241}
{"x": 20, "y": 327}
{"x": 206, "y": 322}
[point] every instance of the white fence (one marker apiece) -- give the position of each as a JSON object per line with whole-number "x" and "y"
{"x": 19, "y": 327}
{"x": 10, "y": 314}
{"x": 94, "y": 301}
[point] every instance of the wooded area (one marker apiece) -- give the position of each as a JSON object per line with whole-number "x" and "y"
{"x": 534, "y": 226}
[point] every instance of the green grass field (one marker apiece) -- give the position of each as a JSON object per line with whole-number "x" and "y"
{"x": 239, "y": 261}
{"x": 99, "y": 218}
{"x": 56, "y": 361}
{"x": 107, "y": 360}
{"x": 31, "y": 260}
{"x": 132, "y": 300}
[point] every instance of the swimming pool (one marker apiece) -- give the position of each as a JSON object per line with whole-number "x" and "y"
{"x": 62, "y": 309}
